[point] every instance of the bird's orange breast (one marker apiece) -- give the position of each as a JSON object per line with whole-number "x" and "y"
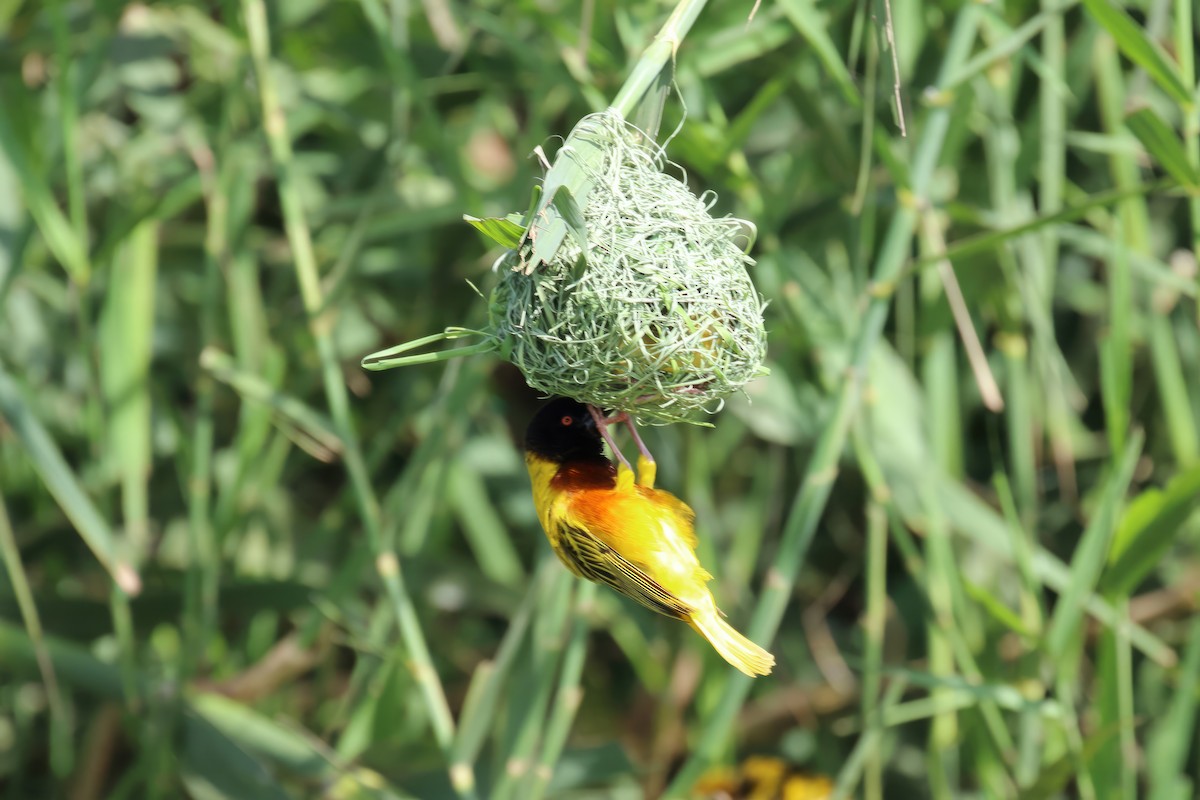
{"x": 580, "y": 476}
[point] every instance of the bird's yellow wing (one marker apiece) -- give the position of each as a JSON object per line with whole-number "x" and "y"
{"x": 643, "y": 487}
{"x": 589, "y": 557}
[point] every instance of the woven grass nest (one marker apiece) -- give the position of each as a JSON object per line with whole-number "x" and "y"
{"x": 620, "y": 289}
{"x": 656, "y": 315}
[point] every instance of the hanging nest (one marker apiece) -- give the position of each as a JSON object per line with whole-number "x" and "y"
{"x": 619, "y": 288}
{"x": 654, "y": 314}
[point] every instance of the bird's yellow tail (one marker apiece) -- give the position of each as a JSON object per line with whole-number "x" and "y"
{"x": 731, "y": 645}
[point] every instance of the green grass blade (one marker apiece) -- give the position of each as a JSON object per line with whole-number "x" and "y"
{"x": 478, "y": 715}
{"x": 1170, "y": 373}
{"x": 1170, "y": 738}
{"x": 290, "y": 409}
{"x": 285, "y": 183}
{"x": 984, "y": 242}
{"x": 486, "y": 532}
{"x": 305, "y": 264}
{"x": 1137, "y": 45}
{"x": 531, "y": 694}
{"x": 61, "y": 749}
{"x": 874, "y": 625}
{"x": 567, "y": 697}
{"x": 1088, "y": 560}
{"x": 810, "y": 501}
{"x": 500, "y": 230}
{"x": 807, "y": 19}
{"x": 63, "y": 484}
{"x": 1164, "y": 146}
{"x": 1147, "y": 530}
{"x": 390, "y": 358}
{"x": 223, "y": 739}
{"x": 126, "y": 331}
{"x": 61, "y": 238}
{"x": 976, "y": 521}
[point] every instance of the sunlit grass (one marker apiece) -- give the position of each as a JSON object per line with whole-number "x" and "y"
{"x": 962, "y": 506}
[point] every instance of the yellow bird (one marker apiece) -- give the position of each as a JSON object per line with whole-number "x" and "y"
{"x": 609, "y": 528}
{"x": 762, "y": 778}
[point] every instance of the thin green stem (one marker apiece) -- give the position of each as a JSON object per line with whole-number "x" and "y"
{"x": 386, "y": 563}
{"x": 535, "y": 689}
{"x": 61, "y": 750}
{"x": 869, "y": 743}
{"x": 1125, "y": 704}
{"x": 1170, "y": 741}
{"x": 988, "y": 241}
{"x": 818, "y": 481}
{"x": 925, "y": 575}
{"x": 568, "y": 695}
{"x": 942, "y": 757}
{"x": 203, "y": 574}
{"x": 655, "y": 58}
{"x": 479, "y": 711}
{"x": 68, "y": 117}
{"x": 1052, "y": 142}
{"x": 65, "y": 486}
{"x": 122, "y": 619}
{"x": 1066, "y": 689}
{"x": 1185, "y": 53}
{"x": 862, "y": 181}
{"x": 874, "y": 623}
{"x": 1131, "y": 227}
{"x": 390, "y": 358}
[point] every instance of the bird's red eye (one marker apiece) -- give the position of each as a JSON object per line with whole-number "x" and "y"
{"x": 567, "y": 420}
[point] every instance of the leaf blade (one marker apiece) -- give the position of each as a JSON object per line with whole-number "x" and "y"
{"x": 1140, "y": 49}
{"x": 1163, "y": 146}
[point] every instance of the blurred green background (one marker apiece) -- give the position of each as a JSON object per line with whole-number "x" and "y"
{"x": 961, "y": 506}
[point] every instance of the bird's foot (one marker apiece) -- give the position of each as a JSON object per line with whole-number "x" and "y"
{"x": 647, "y": 469}
{"x": 625, "y": 479}
{"x": 646, "y": 455}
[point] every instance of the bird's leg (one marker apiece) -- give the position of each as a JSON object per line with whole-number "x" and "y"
{"x": 602, "y": 426}
{"x": 647, "y": 468}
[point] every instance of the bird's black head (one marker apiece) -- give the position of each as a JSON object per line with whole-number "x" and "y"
{"x": 563, "y": 430}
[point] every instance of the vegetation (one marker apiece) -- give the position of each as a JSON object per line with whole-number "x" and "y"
{"x": 961, "y": 508}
